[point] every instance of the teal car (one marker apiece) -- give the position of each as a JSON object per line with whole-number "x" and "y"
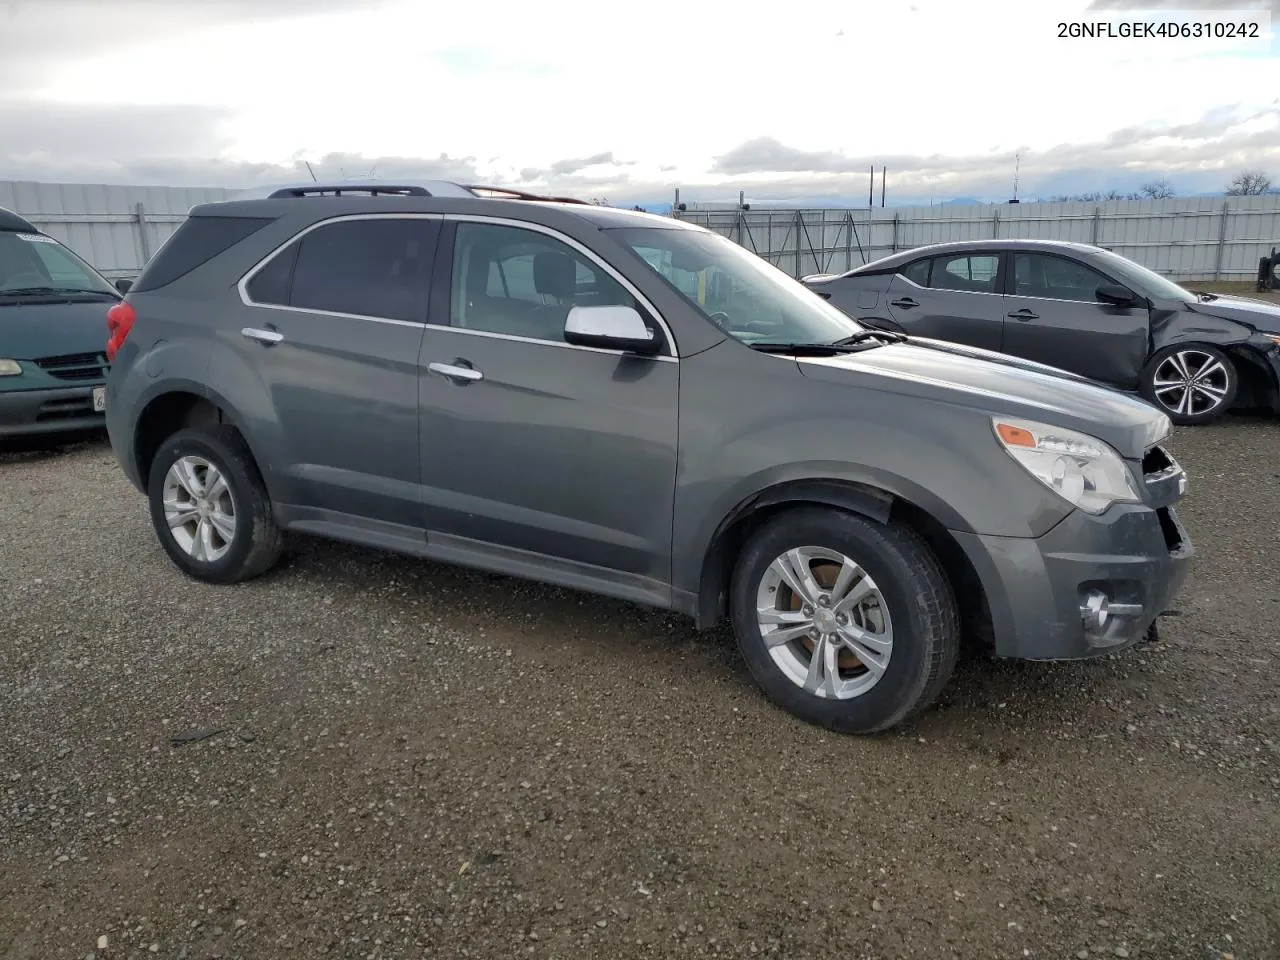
{"x": 53, "y": 308}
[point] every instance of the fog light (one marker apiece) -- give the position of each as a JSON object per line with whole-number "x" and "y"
{"x": 1095, "y": 611}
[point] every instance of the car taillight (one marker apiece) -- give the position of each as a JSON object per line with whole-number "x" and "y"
{"x": 119, "y": 322}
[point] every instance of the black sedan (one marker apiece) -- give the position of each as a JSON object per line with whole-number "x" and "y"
{"x": 1080, "y": 308}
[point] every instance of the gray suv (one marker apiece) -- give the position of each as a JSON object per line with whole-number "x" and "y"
{"x": 629, "y": 405}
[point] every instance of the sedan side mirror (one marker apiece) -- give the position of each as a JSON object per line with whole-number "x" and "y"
{"x": 610, "y": 328}
{"x": 124, "y": 284}
{"x": 1115, "y": 295}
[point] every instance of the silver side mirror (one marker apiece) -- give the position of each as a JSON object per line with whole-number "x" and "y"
{"x": 611, "y": 328}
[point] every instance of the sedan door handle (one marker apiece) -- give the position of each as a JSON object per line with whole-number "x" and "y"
{"x": 455, "y": 372}
{"x": 904, "y": 302}
{"x": 1023, "y": 315}
{"x": 267, "y": 337}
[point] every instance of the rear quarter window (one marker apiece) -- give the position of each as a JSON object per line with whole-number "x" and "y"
{"x": 197, "y": 241}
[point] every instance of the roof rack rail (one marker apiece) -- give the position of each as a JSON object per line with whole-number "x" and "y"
{"x": 403, "y": 188}
{"x": 505, "y": 193}
{"x": 399, "y": 188}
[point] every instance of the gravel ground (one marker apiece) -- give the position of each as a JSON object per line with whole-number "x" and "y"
{"x": 361, "y": 755}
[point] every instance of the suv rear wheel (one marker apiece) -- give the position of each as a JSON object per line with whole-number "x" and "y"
{"x": 844, "y": 622}
{"x": 210, "y": 508}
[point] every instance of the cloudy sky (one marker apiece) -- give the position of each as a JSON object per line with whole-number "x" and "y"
{"x": 780, "y": 99}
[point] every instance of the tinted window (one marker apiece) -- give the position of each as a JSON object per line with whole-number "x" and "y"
{"x": 373, "y": 268}
{"x": 918, "y": 272}
{"x": 271, "y": 284}
{"x": 196, "y": 241}
{"x": 34, "y": 260}
{"x": 1038, "y": 275}
{"x": 975, "y": 274}
{"x": 523, "y": 283}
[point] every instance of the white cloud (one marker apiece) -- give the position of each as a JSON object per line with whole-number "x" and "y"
{"x": 930, "y": 87}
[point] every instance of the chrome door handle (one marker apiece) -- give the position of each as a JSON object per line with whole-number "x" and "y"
{"x": 455, "y": 372}
{"x": 263, "y": 336}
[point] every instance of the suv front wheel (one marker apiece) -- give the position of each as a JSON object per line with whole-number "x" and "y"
{"x": 844, "y": 622}
{"x": 210, "y": 508}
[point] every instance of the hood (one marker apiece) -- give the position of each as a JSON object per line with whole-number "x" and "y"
{"x": 32, "y": 330}
{"x": 1262, "y": 315}
{"x": 1001, "y": 385}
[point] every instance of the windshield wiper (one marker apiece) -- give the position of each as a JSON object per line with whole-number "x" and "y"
{"x": 886, "y": 336}
{"x": 51, "y": 291}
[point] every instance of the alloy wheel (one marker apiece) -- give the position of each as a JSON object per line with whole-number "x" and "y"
{"x": 825, "y": 622}
{"x": 1191, "y": 382}
{"x": 199, "y": 508}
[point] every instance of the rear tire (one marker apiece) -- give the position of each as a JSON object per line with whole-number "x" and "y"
{"x": 886, "y": 658}
{"x": 210, "y": 508}
{"x": 1193, "y": 383}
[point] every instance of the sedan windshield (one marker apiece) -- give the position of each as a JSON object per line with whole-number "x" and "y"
{"x": 32, "y": 264}
{"x": 744, "y": 295}
{"x": 1144, "y": 281}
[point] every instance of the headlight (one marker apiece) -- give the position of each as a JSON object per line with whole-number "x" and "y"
{"x": 1273, "y": 338}
{"x": 1081, "y": 469}
{"x": 10, "y": 368}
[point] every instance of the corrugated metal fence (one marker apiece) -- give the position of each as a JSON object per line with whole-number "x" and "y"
{"x": 116, "y": 229}
{"x": 1193, "y": 238}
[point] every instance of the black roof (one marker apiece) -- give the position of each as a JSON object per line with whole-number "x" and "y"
{"x": 12, "y": 222}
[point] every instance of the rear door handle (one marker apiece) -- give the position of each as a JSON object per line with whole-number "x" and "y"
{"x": 455, "y": 372}
{"x": 267, "y": 337}
{"x": 904, "y": 302}
{"x": 1023, "y": 315}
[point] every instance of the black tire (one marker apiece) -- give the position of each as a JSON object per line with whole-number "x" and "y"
{"x": 917, "y": 594}
{"x": 257, "y": 542}
{"x": 1190, "y": 355}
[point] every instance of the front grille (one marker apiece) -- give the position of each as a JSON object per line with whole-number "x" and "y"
{"x": 75, "y": 366}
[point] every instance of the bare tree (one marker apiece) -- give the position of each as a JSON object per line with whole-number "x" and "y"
{"x": 1249, "y": 183}
{"x": 1156, "y": 190}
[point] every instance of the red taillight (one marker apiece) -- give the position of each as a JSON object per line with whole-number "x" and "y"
{"x": 119, "y": 322}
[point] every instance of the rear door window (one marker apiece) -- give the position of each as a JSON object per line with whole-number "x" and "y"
{"x": 377, "y": 268}
{"x": 971, "y": 273}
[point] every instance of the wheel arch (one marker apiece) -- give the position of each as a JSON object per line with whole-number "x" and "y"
{"x": 176, "y": 406}
{"x": 867, "y": 500}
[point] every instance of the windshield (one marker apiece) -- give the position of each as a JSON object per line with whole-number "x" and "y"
{"x": 1147, "y": 282}
{"x": 744, "y": 295}
{"x": 33, "y": 263}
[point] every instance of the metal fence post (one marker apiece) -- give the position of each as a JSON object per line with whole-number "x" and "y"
{"x": 140, "y": 213}
{"x": 799, "y": 227}
{"x": 1222, "y": 239}
{"x": 893, "y": 242}
{"x": 1097, "y": 224}
{"x": 995, "y": 224}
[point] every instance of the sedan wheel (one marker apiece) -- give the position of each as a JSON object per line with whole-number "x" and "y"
{"x": 1193, "y": 384}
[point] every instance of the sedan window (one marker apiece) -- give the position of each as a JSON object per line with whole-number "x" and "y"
{"x": 1055, "y": 278}
{"x": 973, "y": 274}
{"x": 918, "y": 272}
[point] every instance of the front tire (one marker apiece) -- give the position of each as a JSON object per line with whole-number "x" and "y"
{"x": 846, "y": 623}
{"x": 210, "y": 508}
{"x": 1193, "y": 383}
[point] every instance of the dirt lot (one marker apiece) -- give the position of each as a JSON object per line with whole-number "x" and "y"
{"x": 405, "y": 760}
